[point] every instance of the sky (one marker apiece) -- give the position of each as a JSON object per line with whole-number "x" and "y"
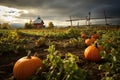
{"x": 58, "y": 11}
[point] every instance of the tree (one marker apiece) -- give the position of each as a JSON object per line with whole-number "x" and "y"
{"x": 50, "y": 25}
{"x": 28, "y": 25}
{"x": 5, "y": 26}
{"x": 0, "y": 26}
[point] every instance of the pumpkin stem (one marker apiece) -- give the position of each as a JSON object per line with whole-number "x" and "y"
{"x": 28, "y": 55}
{"x": 96, "y": 44}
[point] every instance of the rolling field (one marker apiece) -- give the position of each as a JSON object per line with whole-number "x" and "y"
{"x": 63, "y": 53}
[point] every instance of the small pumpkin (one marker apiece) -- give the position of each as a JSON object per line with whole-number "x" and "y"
{"x": 92, "y": 52}
{"x": 83, "y": 35}
{"x": 89, "y": 41}
{"x": 96, "y": 36}
{"x": 26, "y": 66}
{"x": 108, "y": 51}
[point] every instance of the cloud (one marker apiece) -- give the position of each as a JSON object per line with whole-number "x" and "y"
{"x": 11, "y": 14}
{"x": 65, "y": 7}
{"x": 62, "y": 9}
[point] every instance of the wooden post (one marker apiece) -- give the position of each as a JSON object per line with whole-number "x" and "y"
{"x": 105, "y": 18}
{"x": 71, "y": 21}
{"x": 106, "y": 24}
{"x": 86, "y": 20}
{"x": 89, "y": 15}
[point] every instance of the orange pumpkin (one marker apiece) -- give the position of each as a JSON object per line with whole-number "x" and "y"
{"x": 96, "y": 36}
{"x": 92, "y": 53}
{"x": 93, "y": 39}
{"x": 83, "y": 35}
{"x": 26, "y": 66}
{"x": 108, "y": 51}
{"x": 89, "y": 41}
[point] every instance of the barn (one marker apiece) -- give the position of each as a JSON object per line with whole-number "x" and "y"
{"x": 38, "y": 23}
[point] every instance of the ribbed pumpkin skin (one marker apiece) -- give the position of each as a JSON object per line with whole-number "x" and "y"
{"x": 92, "y": 53}
{"x": 25, "y": 67}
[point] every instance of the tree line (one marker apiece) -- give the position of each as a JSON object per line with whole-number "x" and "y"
{"x": 26, "y": 26}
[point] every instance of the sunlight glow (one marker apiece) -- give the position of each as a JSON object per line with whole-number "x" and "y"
{"x": 11, "y": 15}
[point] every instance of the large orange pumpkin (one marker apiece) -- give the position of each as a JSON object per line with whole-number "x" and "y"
{"x": 26, "y": 66}
{"x": 92, "y": 53}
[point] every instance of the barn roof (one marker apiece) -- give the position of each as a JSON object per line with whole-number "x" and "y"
{"x": 38, "y": 20}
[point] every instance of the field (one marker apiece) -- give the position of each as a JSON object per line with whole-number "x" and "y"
{"x": 62, "y": 52}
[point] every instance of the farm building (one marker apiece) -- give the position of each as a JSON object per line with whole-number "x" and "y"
{"x": 38, "y": 23}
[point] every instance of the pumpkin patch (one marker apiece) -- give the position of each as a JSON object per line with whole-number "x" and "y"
{"x": 63, "y": 53}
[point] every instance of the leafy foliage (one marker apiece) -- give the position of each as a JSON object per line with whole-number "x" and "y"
{"x": 112, "y": 66}
{"x": 72, "y": 32}
{"x": 58, "y": 68}
{"x": 9, "y": 42}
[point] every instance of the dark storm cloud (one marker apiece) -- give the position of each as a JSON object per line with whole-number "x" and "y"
{"x": 75, "y": 8}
